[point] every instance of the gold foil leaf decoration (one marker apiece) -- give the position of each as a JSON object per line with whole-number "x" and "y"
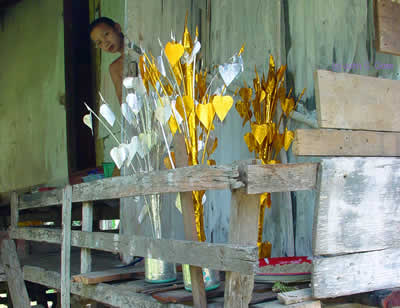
{"x": 264, "y": 250}
{"x": 205, "y": 113}
{"x": 260, "y": 131}
{"x": 222, "y": 105}
{"x": 287, "y": 105}
{"x": 265, "y": 200}
{"x": 174, "y": 52}
{"x": 167, "y": 161}
{"x": 184, "y": 106}
{"x": 172, "y": 125}
{"x": 289, "y": 136}
{"x": 250, "y": 141}
{"x": 211, "y": 162}
{"x": 212, "y": 146}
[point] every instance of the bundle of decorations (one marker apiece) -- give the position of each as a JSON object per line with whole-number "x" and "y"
{"x": 258, "y": 106}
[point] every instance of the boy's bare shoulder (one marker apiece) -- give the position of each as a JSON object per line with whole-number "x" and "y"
{"x": 116, "y": 66}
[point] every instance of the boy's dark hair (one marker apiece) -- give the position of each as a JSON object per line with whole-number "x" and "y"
{"x": 101, "y": 20}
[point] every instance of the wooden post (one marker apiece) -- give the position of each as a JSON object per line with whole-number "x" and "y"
{"x": 66, "y": 248}
{"x": 15, "y": 280}
{"x": 87, "y": 225}
{"x": 243, "y": 230}
{"x": 189, "y": 224}
{"x": 14, "y": 210}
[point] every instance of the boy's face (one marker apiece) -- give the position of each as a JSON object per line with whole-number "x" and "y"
{"x": 107, "y": 38}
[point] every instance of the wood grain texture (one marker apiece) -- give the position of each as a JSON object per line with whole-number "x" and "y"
{"x": 14, "y": 210}
{"x": 279, "y": 177}
{"x": 387, "y": 26}
{"x": 201, "y": 177}
{"x": 277, "y": 304}
{"x": 358, "y": 205}
{"x": 66, "y": 248}
{"x": 352, "y": 101}
{"x": 40, "y": 199}
{"x": 108, "y": 294}
{"x": 294, "y": 297}
{"x": 107, "y": 276}
{"x": 241, "y": 258}
{"x": 330, "y": 142}
{"x": 87, "y": 225}
{"x": 189, "y": 226}
{"x": 15, "y": 280}
{"x": 355, "y": 273}
{"x": 242, "y": 229}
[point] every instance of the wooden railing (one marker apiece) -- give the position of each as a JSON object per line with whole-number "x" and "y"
{"x": 239, "y": 258}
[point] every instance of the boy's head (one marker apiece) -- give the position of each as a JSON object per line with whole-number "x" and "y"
{"x": 107, "y": 35}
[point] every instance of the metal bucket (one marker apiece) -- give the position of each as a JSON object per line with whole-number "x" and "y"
{"x": 158, "y": 271}
{"x": 210, "y": 277}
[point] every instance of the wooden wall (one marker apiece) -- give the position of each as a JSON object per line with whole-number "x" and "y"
{"x": 305, "y": 34}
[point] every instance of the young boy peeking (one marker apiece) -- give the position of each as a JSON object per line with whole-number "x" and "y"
{"x": 107, "y": 35}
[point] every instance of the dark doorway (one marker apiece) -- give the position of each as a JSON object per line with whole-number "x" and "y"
{"x": 78, "y": 85}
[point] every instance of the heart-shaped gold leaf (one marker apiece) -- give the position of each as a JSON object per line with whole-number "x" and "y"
{"x": 260, "y": 131}
{"x": 174, "y": 52}
{"x": 222, "y": 105}
{"x": 184, "y": 106}
{"x": 173, "y": 126}
{"x": 250, "y": 141}
{"x": 205, "y": 114}
{"x": 167, "y": 161}
{"x": 289, "y": 136}
{"x": 288, "y": 105}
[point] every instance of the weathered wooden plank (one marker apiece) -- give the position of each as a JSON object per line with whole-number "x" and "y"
{"x": 279, "y": 177}
{"x": 107, "y": 276}
{"x": 15, "y": 280}
{"x": 178, "y": 180}
{"x": 103, "y": 293}
{"x": 357, "y": 205}
{"x": 37, "y": 234}
{"x": 40, "y": 199}
{"x": 387, "y": 26}
{"x": 201, "y": 177}
{"x": 243, "y": 230}
{"x": 357, "y": 102}
{"x": 294, "y": 297}
{"x": 277, "y": 304}
{"x": 235, "y": 257}
{"x": 66, "y": 248}
{"x": 14, "y": 210}
{"x": 355, "y": 273}
{"x": 189, "y": 225}
{"x": 87, "y": 225}
{"x": 329, "y": 142}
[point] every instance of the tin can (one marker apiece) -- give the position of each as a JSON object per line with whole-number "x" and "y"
{"x": 210, "y": 277}
{"x": 158, "y": 271}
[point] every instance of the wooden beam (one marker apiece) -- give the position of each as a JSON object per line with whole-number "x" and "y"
{"x": 41, "y": 199}
{"x": 66, "y": 248}
{"x": 330, "y": 142}
{"x": 189, "y": 225}
{"x": 387, "y": 26}
{"x": 243, "y": 230}
{"x": 15, "y": 280}
{"x": 352, "y": 101}
{"x": 14, "y": 210}
{"x": 279, "y": 177}
{"x": 357, "y": 205}
{"x": 294, "y": 297}
{"x": 116, "y": 296}
{"x": 355, "y": 273}
{"x": 201, "y": 177}
{"x": 108, "y": 275}
{"x": 240, "y": 258}
{"x": 87, "y": 225}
